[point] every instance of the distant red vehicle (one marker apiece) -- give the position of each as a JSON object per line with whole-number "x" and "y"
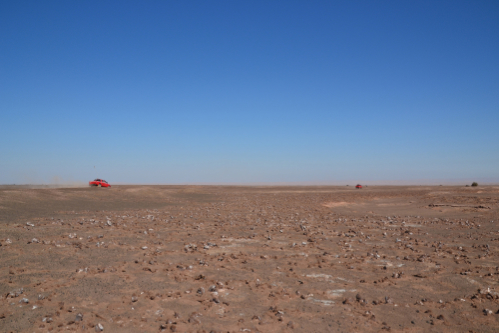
{"x": 99, "y": 183}
{"x": 358, "y": 186}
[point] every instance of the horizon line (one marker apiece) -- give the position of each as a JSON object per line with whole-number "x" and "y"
{"x": 304, "y": 183}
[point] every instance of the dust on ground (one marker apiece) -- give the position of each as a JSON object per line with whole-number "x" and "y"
{"x": 249, "y": 259}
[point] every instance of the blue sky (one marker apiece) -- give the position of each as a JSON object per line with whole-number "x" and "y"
{"x": 248, "y": 91}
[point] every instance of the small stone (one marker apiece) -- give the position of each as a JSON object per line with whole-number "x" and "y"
{"x": 194, "y": 320}
{"x": 79, "y": 317}
{"x": 99, "y": 327}
{"x": 347, "y": 301}
{"x": 16, "y": 293}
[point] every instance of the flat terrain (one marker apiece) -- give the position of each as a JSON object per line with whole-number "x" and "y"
{"x": 249, "y": 259}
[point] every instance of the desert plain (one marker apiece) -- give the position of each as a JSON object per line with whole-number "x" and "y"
{"x": 249, "y": 259}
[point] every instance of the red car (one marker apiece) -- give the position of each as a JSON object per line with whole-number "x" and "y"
{"x": 99, "y": 182}
{"x": 358, "y": 186}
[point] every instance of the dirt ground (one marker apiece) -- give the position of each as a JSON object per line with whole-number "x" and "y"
{"x": 249, "y": 259}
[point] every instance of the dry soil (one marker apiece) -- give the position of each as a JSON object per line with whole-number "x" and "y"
{"x": 249, "y": 259}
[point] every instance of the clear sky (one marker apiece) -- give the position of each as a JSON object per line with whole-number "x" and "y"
{"x": 248, "y": 91}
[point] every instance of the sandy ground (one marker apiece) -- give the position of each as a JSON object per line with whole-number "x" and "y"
{"x": 249, "y": 259}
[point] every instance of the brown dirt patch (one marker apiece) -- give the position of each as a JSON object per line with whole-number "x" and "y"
{"x": 248, "y": 259}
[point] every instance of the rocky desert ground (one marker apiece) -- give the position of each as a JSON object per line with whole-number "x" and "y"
{"x": 249, "y": 259}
